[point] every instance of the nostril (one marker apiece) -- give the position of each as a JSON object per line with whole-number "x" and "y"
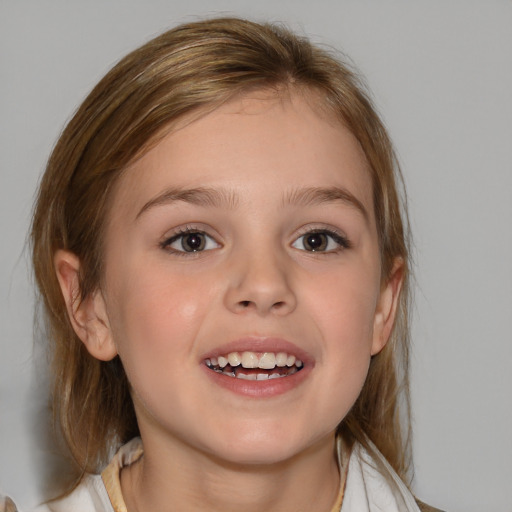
{"x": 247, "y": 303}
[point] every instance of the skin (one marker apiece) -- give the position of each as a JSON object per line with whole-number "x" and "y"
{"x": 207, "y": 447}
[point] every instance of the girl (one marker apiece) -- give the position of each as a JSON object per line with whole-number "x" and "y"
{"x": 224, "y": 266}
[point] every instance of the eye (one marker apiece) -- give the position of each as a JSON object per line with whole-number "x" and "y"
{"x": 321, "y": 241}
{"x": 190, "y": 241}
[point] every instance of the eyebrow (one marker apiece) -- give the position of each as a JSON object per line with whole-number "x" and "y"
{"x": 200, "y": 196}
{"x": 222, "y": 198}
{"x": 313, "y": 196}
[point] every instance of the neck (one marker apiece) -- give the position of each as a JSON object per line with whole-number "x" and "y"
{"x": 173, "y": 480}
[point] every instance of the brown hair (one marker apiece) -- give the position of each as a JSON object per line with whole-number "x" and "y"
{"x": 194, "y": 66}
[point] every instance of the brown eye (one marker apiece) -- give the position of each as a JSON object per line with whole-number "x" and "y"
{"x": 193, "y": 242}
{"x": 315, "y": 242}
{"x": 190, "y": 241}
{"x": 321, "y": 241}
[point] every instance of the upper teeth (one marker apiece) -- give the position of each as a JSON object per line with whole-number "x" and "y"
{"x": 265, "y": 360}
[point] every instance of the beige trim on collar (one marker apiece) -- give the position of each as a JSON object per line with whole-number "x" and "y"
{"x": 127, "y": 454}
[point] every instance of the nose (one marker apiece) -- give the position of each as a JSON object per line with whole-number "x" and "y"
{"x": 260, "y": 282}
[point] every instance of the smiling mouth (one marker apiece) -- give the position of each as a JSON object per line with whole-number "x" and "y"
{"x": 255, "y": 365}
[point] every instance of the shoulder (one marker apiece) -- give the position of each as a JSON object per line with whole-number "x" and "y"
{"x": 89, "y": 496}
{"x": 7, "y": 505}
{"x": 426, "y": 508}
{"x": 372, "y": 484}
{"x": 96, "y": 493}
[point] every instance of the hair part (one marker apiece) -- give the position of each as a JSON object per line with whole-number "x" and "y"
{"x": 194, "y": 68}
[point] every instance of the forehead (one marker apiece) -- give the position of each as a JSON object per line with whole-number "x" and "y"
{"x": 262, "y": 141}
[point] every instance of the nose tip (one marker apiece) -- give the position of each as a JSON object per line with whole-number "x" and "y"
{"x": 261, "y": 286}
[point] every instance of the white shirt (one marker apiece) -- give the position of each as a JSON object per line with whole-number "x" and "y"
{"x": 368, "y": 484}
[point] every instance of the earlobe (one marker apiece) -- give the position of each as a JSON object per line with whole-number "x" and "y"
{"x": 387, "y": 306}
{"x": 88, "y": 316}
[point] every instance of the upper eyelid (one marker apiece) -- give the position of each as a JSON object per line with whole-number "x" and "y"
{"x": 319, "y": 228}
{"x": 175, "y": 233}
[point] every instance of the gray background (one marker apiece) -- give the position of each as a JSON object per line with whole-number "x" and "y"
{"x": 441, "y": 73}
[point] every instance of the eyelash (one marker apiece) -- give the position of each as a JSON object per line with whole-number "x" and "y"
{"x": 340, "y": 240}
{"x": 180, "y": 234}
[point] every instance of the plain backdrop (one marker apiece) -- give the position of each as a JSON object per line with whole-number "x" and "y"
{"x": 441, "y": 74}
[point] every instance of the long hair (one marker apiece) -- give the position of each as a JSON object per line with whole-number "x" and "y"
{"x": 193, "y": 68}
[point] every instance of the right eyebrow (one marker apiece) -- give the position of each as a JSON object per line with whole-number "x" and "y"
{"x": 200, "y": 196}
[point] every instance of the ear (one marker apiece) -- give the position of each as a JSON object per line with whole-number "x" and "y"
{"x": 386, "y": 307}
{"x": 88, "y": 316}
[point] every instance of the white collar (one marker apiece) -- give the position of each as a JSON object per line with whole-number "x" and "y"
{"x": 373, "y": 486}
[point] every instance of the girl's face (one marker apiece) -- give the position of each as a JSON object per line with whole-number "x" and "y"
{"x": 243, "y": 246}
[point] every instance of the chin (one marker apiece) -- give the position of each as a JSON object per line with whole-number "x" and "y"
{"x": 257, "y": 456}
{"x": 261, "y": 444}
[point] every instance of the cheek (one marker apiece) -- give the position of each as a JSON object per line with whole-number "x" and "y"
{"x": 156, "y": 315}
{"x": 345, "y": 307}
{"x": 344, "y": 312}
{"x": 154, "y": 324}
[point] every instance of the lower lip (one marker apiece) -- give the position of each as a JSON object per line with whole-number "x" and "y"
{"x": 259, "y": 388}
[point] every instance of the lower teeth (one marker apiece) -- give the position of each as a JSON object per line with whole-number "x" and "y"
{"x": 255, "y": 376}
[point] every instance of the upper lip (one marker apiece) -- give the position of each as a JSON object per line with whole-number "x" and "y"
{"x": 260, "y": 344}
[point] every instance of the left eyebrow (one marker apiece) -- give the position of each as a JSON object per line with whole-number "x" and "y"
{"x": 312, "y": 196}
